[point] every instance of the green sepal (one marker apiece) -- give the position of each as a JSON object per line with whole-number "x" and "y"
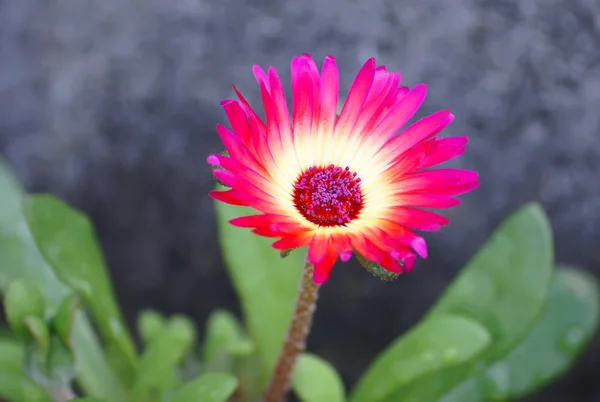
{"x": 376, "y": 269}
{"x": 286, "y": 253}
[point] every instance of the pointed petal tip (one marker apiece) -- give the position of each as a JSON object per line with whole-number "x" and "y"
{"x": 213, "y": 160}
{"x": 226, "y": 102}
{"x": 420, "y": 247}
{"x": 346, "y": 256}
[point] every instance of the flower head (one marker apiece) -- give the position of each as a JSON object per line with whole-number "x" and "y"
{"x": 340, "y": 184}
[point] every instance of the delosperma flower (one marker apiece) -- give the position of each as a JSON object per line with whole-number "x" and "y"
{"x": 340, "y": 184}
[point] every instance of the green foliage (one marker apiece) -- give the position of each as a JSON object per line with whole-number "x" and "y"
{"x": 506, "y": 290}
{"x": 20, "y": 259}
{"x": 164, "y": 352}
{"x": 225, "y": 341}
{"x": 508, "y": 324}
{"x": 150, "y": 323}
{"x": 265, "y": 283}
{"x": 566, "y": 323}
{"x": 22, "y": 301}
{"x": 315, "y": 380}
{"x": 15, "y": 385}
{"x": 66, "y": 238}
{"x": 436, "y": 343}
{"x": 210, "y": 387}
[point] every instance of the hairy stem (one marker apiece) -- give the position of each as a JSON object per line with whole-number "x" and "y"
{"x": 295, "y": 340}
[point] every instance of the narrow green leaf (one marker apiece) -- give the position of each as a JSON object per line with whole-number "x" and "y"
{"x": 209, "y": 387}
{"x": 94, "y": 374}
{"x": 66, "y": 238}
{"x": 22, "y": 300}
{"x": 266, "y": 284}
{"x": 165, "y": 351}
{"x": 225, "y": 338}
{"x": 567, "y": 322}
{"x": 503, "y": 288}
{"x": 150, "y": 323}
{"x": 438, "y": 342}
{"x": 315, "y": 380}
{"x": 62, "y": 322}
{"x": 20, "y": 259}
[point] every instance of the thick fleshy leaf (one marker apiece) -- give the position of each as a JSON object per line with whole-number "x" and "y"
{"x": 149, "y": 324}
{"x": 209, "y": 387}
{"x": 439, "y": 342}
{"x": 315, "y": 380}
{"x": 22, "y": 300}
{"x": 66, "y": 238}
{"x": 503, "y": 288}
{"x": 266, "y": 284}
{"x": 163, "y": 354}
{"x": 567, "y": 322}
{"x": 20, "y": 259}
{"x": 224, "y": 339}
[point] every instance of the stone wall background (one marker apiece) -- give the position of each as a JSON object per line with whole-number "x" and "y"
{"x": 112, "y": 105}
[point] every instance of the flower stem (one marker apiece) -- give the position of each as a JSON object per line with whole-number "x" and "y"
{"x": 295, "y": 339}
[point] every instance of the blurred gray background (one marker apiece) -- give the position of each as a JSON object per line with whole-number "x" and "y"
{"x": 112, "y": 105}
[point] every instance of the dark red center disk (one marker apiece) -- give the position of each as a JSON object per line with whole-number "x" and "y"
{"x": 328, "y": 196}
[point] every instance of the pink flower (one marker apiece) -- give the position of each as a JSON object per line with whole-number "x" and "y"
{"x": 340, "y": 184}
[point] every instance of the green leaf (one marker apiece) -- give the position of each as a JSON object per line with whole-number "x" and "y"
{"x": 266, "y": 283}
{"x": 315, "y": 380}
{"x": 53, "y": 367}
{"x": 66, "y": 238}
{"x": 14, "y": 383}
{"x": 38, "y": 329}
{"x": 225, "y": 338}
{"x": 165, "y": 351}
{"x": 22, "y": 300}
{"x": 438, "y": 342}
{"x": 503, "y": 288}
{"x": 567, "y": 322}
{"x": 19, "y": 256}
{"x": 88, "y": 399}
{"x": 209, "y": 387}
{"x": 62, "y": 322}
{"x": 17, "y": 387}
{"x": 11, "y": 354}
{"x": 150, "y": 323}
{"x": 20, "y": 259}
{"x": 94, "y": 374}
